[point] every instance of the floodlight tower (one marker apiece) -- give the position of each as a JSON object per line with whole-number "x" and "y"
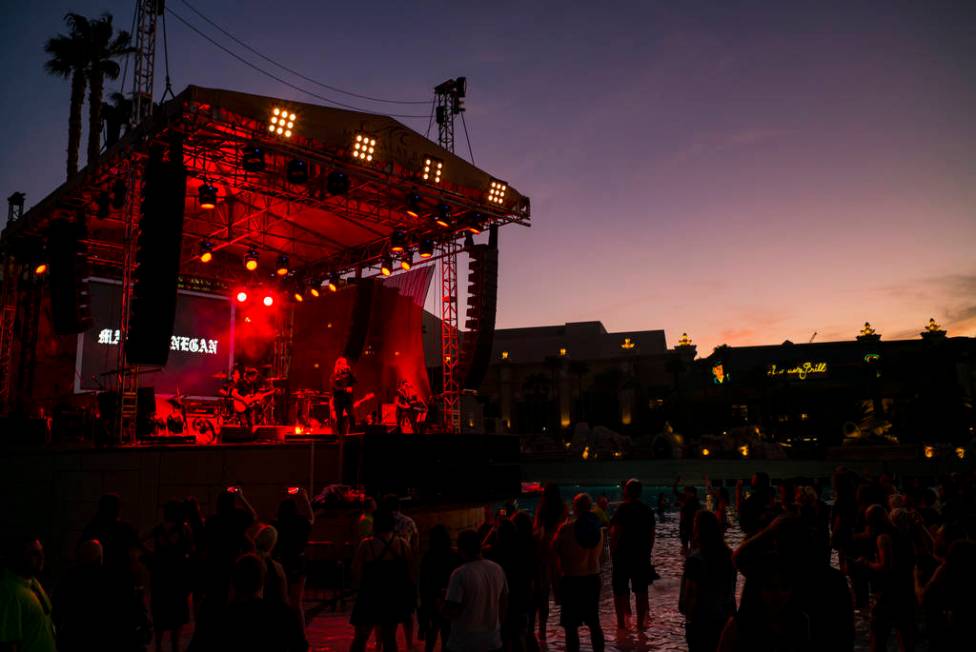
{"x": 449, "y": 100}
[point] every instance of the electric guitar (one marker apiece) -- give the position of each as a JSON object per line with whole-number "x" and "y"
{"x": 244, "y": 403}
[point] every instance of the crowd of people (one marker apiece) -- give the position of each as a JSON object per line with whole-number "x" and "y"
{"x": 242, "y": 579}
{"x": 906, "y": 558}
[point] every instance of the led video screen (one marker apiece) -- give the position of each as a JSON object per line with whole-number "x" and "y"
{"x": 201, "y": 347}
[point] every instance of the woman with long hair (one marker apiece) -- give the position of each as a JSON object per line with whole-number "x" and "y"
{"x": 707, "y": 597}
{"x": 549, "y": 515}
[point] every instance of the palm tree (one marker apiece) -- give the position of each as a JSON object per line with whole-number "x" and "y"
{"x": 103, "y": 48}
{"x": 68, "y": 60}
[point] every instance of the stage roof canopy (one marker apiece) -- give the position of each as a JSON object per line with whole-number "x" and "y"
{"x": 321, "y": 224}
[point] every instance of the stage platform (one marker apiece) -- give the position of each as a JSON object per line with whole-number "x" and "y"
{"x": 54, "y": 490}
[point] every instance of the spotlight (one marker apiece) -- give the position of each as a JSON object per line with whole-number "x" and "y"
{"x": 496, "y": 192}
{"x": 386, "y": 266}
{"x": 206, "y": 251}
{"x": 473, "y": 222}
{"x": 251, "y": 260}
{"x": 333, "y": 282}
{"x": 297, "y": 171}
{"x": 406, "y": 261}
{"x": 118, "y": 195}
{"x": 363, "y": 148}
{"x": 268, "y": 300}
{"x": 432, "y": 170}
{"x": 241, "y": 296}
{"x": 297, "y": 296}
{"x": 398, "y": 241}
{"x": 426, "y": 249}
{"x": 208, "y": 195}
{"x": 413, "y": 204}
{"x": 40, "y": 269}
{"x": 282, "y": 122}
{"x": 314, "y": 290}
{"x": 252, "y": 158}
{"x": 281, "y": 268}
{"x": 103, "y": 201}
{"x": 443, "y": 217}
{"x": 337, "y": 183}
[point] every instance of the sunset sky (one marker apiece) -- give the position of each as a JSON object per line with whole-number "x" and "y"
{"x": 748, "y": 172}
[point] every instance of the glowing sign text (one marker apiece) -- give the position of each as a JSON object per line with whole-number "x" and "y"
{"x": 800, "y": 371}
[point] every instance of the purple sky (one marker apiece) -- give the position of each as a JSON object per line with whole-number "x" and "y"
{"x": 742, "y": 171}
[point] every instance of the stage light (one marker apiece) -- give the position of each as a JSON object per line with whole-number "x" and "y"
{"x": 40, "y": 269}
{"x": 929, "y": 452}
{"x": 706, "y": 452}
{"x": 496, "y": 192}
{"x": 268, "y": 300}
{"x": 251, "y": 260}
{"x": 297, "y": 296}
{"x": 398, "y": 241}
{"x": 426, "y": 249}
{"x": 386, "y": 266}
{"x": 406, "y": 261}
{"x": 473, "y": 222}
{"x": 413, "y": 204}
{"x": 252, "y": 158}
{"x": 208, "y": 195}
{"x": 297, "y": 171}
{"x": 432, "y": 170}
{"x": 333, "y": 282}
{"x": 103, "y": 201}
{"x": 314, "y": 291}
{"x": 443, "y": 217}
{"x": 363, "y": 148}
{"x": 282, "y": 122}
{"x": 744, "y": 451}
{"x": 281, "y": 268}
{"x": 337, "y": 183}
{"x": 241, "y": 297}
{"x": 206, "y": 251}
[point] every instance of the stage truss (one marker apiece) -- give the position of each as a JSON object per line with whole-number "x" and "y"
{"x": 323, "y": 233}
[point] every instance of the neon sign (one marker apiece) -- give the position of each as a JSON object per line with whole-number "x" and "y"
{"x": 800, "y": 372}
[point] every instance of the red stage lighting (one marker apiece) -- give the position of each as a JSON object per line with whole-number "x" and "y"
{"x": 40, "y": 269}
{"x": 406, "y": 262}
{"x": 426, "y": 249}
{"x": 268, "y": 300}
{"x": 314, "y": 291}
{"x": 241, "y": 297}
{"x": 298, "y": 297}
{"x": 334, "y": 283}
{"x": 386, "y": 266}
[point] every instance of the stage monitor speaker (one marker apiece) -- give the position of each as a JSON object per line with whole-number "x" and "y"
{"x": 359, "y": 323}
{"x": 157, "y": 258}
{"x": 70, "y": 299}
{"x": 231, "y": 434}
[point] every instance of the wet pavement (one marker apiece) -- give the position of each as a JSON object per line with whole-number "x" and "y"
{"x": 331, "y": 631}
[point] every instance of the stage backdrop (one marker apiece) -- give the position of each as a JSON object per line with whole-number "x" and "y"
{"x": 393, "y": 347}
{"x": 201, "y": 346}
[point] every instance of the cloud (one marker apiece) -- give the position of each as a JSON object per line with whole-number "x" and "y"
{"x": 951, "y": 298}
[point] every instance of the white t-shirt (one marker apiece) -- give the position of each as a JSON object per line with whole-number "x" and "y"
{"x": 478, "y": 587}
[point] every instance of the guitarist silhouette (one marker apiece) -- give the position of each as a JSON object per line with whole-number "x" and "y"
{"x": 342, "y": 401}
{"x": 249, "y": 394}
